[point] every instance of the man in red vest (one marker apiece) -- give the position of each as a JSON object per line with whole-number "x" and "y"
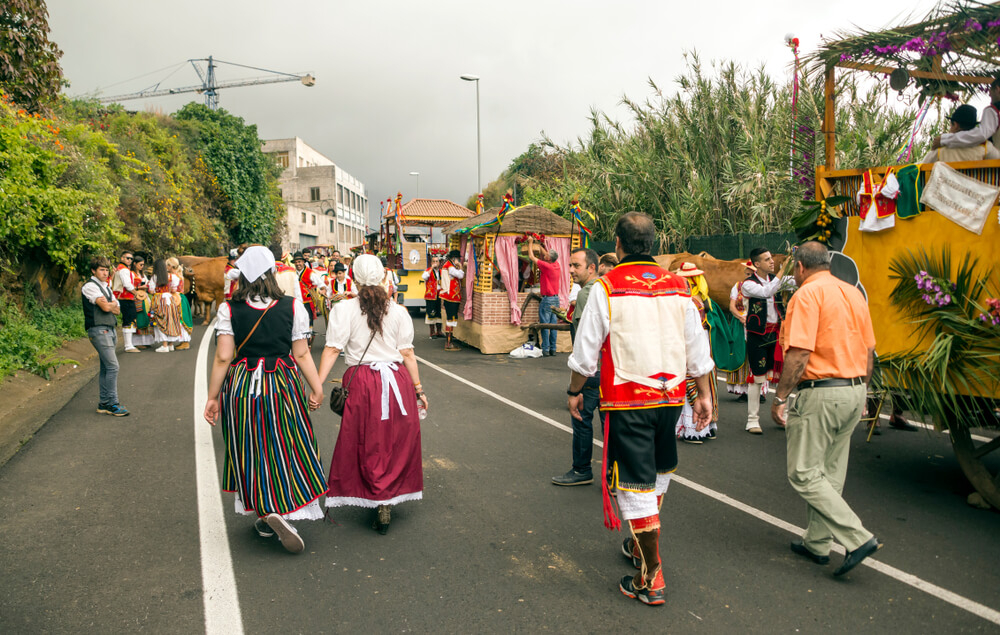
{"x": 451, "y": 294}
{"x": 124, "y": 285}
{"x": 643, "y": 331}
{"x": 432, "y": 290}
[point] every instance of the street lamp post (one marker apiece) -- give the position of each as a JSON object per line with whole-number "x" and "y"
{"x": 479, "y": 147}
{"x": 417, "y": 174}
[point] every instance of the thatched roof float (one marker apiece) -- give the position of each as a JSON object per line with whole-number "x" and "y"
{"x": 528, "y": 218}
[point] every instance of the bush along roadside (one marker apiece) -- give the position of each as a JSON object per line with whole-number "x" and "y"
{"x": 31, "y": 333}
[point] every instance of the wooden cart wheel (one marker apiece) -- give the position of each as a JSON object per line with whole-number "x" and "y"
{"x": 971, "y": 458}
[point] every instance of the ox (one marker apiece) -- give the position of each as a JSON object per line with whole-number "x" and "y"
{"x": 207, "y": 275}
{"x": 721, "y": 275}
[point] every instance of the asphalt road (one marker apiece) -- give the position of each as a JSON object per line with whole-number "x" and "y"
{"x": 99, "y": 522}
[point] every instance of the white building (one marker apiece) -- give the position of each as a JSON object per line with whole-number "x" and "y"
{"x": 326, "y": 205}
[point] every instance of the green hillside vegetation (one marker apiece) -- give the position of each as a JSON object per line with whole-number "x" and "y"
{"x": 81, "y": 179}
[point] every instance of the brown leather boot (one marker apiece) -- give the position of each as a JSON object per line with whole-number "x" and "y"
{"x": 449, "y": 345}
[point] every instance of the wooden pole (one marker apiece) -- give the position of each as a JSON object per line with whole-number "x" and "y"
{"x": 829, "y": 119}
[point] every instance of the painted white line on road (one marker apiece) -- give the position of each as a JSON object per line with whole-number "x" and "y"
{"x": 941, "y": 593}
{"x": 925, "y": 426}
{"x": 222, "y": 604}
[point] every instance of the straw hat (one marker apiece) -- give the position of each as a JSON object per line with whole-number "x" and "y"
{"x": 749, "y": 265}
{"x": 688, "y": 270}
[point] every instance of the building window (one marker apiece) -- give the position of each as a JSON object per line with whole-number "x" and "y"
{"x": 303, "y": 217}
{"x": 314, "y": 194}
{"x": 282, "y": 159}
{"x": 331, "y": 226}
{"x": 313, "y": 218}
{"x": 340, "y": 194}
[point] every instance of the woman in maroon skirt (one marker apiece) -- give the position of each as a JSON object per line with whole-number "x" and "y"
{"x": 376, "y": 462}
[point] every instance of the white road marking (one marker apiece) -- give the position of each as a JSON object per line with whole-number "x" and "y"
{"x": 941, "y": 593}
{"x": 222, "y": 604}
{"x": 925, "y": 426}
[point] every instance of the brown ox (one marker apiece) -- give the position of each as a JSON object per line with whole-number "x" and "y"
{"x": 721, "y": 275}
{"x": 207, "y": 274}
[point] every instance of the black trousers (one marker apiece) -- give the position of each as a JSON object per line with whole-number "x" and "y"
{"x": 642, "y": 444}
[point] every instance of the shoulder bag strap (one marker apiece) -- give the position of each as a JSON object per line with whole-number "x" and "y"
{"x": 351, "y": 380}
{"x": 240, "y": 347}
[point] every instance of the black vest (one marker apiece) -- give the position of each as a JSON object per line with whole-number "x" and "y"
{"x": 94, "y": 315}
{"x": 757, "y": 310}
{"x": 271, "y": 340}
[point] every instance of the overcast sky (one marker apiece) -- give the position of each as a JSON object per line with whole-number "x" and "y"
{"x": 388, "y": 99}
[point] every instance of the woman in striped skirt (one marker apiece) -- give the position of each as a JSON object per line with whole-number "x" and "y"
{"x": 271, "y": 461}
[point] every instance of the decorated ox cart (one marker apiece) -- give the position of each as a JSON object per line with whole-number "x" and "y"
{"x": 497, "y": 305}
{"x": 930, "y": 274}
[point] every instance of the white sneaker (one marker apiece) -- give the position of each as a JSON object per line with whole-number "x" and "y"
{"x": 171, "y": 347}
{"x": 163, "y": 349}
{"x": 289, "y": 538}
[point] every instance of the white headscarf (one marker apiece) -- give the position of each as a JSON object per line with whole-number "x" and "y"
{"x": 368, "y": 271}
{"x": 255, "y": 262}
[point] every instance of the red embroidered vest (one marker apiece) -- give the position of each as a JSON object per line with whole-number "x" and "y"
{"x": 431, "y": 285}
{"x": 124, "y": 294}
{"x": 643, "y": 280}
{"x": 454, "y": 291}
{"x": 871, "y": 195}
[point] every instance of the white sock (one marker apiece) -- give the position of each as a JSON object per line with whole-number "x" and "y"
{"x": 127, "y": 335}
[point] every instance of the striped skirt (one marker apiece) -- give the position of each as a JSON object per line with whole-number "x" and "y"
{"x": 271, "y": 460}
{"x": 167, "y": 317}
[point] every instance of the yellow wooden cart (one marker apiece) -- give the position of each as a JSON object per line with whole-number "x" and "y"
{"x": 968, "y": 66}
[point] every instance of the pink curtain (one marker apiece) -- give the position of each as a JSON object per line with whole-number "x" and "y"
{"x": 506, "y": 250}
{"x": 469, "y": 248}
{"x": 562, "y": 247}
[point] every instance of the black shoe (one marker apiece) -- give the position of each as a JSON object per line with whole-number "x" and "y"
{"x": 692, "y": 440}
{"x": 711, "y": 434}
{"x": 900, "y": 423}
{"x": 263, "y": 529}
{"x": 646, "y": 596}
{"x": 800, "y": 549}
{"x": 573, "y": 478}
{"x": 742, "y": 398}
{"x": 383, "y": 516}
{"x": 854, "y": 558}
{"x": 763, "y": 399}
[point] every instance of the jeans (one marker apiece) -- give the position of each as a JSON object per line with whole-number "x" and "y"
{"x": 583, "y": 431}
{"x": 104, "y": 340}
{"x": 546, "y": 316}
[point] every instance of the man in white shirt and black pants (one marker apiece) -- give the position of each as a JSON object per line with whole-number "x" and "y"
{"x": 99, "y": 310}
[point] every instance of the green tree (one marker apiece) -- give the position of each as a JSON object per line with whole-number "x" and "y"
{"x": 29, "y": 62}
{"x": 245, "y": 175}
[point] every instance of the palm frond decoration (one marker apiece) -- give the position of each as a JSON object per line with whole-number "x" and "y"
{"x": 954, "y": 379}
{"x": 957, "y": 38}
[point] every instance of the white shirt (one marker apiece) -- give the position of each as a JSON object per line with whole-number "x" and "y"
{"x": 595, "y": 324}
{"x": 173, "y": 283}
{"x": 348, "y": 331}
{"x": 754, "y": 288}
{"x": 573, "y": 292}
{"x": 300, "y": 319}
{"x": 983, "y": 132}
{"x": 92, "y": 290}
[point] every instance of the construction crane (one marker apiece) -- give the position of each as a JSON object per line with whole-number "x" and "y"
{"x": 209, "y": 86}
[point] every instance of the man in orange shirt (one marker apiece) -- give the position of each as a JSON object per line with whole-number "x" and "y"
{"x": 829, "y": 348}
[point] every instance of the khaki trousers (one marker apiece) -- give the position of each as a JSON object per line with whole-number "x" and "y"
{"x": 820, "y": 423}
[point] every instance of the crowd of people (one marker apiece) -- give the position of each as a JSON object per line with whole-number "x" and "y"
{"x": 650, "y": 386}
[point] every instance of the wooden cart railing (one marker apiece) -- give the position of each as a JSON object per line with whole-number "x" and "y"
{"x": 848, "y": 182}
